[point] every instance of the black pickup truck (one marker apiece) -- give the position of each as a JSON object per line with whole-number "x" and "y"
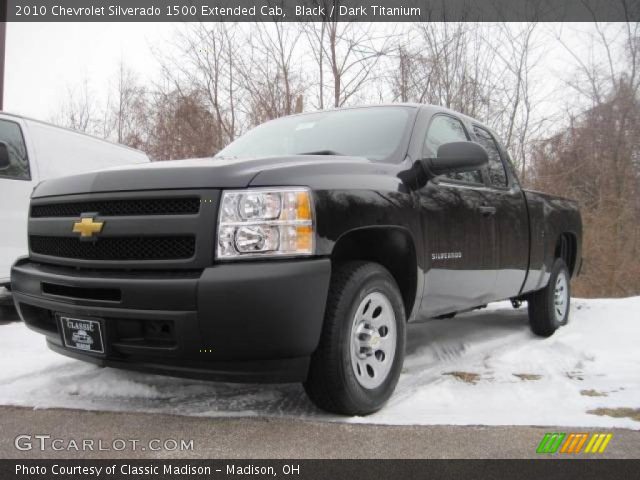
{"x": 297, "y": 254}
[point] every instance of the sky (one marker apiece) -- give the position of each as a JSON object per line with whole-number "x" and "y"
{"x": 44, "y": 61}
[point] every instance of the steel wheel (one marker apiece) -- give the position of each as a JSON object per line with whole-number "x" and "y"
{"x": 358, "y": 362}
{"x": 549, "y": 306}
{"x": 560, "y": 297}
{"x": 373, "y": 340}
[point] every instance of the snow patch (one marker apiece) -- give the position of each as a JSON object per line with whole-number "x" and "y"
{"x": 481, "y": 368}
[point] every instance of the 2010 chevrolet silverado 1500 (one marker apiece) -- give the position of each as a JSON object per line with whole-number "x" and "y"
{"x": 297, "y": 254}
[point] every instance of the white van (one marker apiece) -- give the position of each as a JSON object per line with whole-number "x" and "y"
{"x": 32, "y": 151}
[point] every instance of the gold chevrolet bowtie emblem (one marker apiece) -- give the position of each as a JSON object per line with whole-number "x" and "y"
{"x": 86, "y": 227}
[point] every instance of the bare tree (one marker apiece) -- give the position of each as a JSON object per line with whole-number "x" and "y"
{"x": 350, "y": 52}
{"x": 482, "y": 70}
{"x": 78, "y": 111}
{"x": 182, "y": 126}
{"x": 206, "y": 61}
{"x": 268, "y": 71}
{"x": 126, "y": 114}
{"x": 595, "y": 160}
{"x": 122, "y": 118}
{"x": 452, "y": 65}
{"x": 456, "y": 68}
{"x": 315, "y": 36}
{"x": 517, "y": 123}
{"x": 128, "y": 109}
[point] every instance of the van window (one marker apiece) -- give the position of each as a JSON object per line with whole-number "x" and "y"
{"x": 18, "y": 168}
{"x": 445, "y": 129}
{"x": 497, "y": 174}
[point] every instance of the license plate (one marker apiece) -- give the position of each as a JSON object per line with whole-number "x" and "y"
{"x": 82, "y": 334}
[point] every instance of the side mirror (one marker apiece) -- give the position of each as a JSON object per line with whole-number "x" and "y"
{"x": 456, "y": 157}
{"x": 5, "y": 162}
{"x": 451, "y": 157}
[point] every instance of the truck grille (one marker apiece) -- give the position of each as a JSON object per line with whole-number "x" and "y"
{"x": 140, "y": 206}
{"x": 153, "y": 229}
{"x": 127, "y": 248}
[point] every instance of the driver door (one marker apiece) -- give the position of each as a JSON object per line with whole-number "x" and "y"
{"x": 460, "y": 238}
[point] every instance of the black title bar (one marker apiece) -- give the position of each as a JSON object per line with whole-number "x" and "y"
{"x": 321, "y": 10}
{"x": 546, "y": 469}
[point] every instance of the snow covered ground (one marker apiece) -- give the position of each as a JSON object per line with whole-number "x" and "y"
{"x": 482, "y": 368}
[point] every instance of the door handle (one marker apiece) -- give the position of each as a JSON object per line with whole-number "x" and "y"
{"x": 487, "y": 211}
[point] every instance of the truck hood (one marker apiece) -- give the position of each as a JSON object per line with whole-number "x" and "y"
{"x": 195, "y": 174}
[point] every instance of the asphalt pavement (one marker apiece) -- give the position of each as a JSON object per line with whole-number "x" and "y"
{"x": 268, "y": 438}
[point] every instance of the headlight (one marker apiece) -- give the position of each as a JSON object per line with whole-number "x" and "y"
{"x": 265, "y": 222}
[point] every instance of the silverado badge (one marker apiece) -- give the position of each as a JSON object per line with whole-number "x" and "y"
{"x": 86, "y": 227}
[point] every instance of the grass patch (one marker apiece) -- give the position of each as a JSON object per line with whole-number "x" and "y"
{"x": 632, "y": 413}
{"x": 527, "y": 376}
{"x": 592, "y": 393}
{"x": 466, "y": 377}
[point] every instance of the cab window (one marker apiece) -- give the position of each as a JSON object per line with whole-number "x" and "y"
{"x": 18, "y": 166}
{"x": 497, "y": 173}
{"x": 445, "y": 129}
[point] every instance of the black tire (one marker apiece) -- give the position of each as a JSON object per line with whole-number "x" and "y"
{"x": 332, "y": 384}
{"x": 543, "y": 318}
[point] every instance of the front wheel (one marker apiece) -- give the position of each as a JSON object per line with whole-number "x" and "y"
{"x": 549, "y": 307}
{"x": 358, "y": 361}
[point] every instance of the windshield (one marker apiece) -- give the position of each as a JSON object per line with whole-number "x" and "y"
{"x": 376, "y": 133}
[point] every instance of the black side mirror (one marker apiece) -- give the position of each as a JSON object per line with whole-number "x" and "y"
{"x": 5, "y": 162}
{"x": 451, "y": 157}
{"x": 456, "y": 157}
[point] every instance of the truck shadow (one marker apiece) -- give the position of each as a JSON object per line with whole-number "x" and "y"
{"x": 464, "y": 330}
{"x": 8, "y": 314}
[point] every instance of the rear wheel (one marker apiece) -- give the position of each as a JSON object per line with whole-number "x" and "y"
{"x": 358, "y": 361}
{"x": 549, "y": 307}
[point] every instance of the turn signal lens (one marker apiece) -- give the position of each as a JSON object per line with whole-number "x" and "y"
{"x": 304, "y": 238}
{"x": 303, "y": 205}
{"x": 265, "y": 222}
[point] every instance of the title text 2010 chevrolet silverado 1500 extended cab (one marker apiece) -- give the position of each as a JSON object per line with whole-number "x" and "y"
{"x": 298, "y": 254}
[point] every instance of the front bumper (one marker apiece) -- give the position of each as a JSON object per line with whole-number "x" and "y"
{"x": 253, "y": 321}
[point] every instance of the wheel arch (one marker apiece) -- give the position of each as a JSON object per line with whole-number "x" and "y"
{"x": 393, "y": 247}
{"x": 566, "y": 248}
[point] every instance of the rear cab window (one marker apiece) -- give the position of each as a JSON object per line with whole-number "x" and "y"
{"x": 495, "y": 168}
{"x": 11, "y": 135}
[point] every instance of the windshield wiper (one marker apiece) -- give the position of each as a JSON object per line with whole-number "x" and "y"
{"x": 322, "y": 152}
